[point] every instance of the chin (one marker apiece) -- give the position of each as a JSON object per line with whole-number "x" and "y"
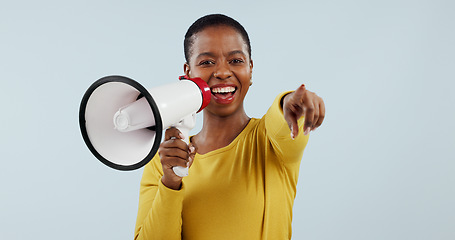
{"x": 225, "y": 111}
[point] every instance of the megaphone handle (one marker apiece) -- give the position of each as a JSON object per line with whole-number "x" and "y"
{"x": 184, "y": 127}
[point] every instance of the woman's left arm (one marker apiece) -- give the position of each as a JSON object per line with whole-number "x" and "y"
{"x": 288, "y": 123}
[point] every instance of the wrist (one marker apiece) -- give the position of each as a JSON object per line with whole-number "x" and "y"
{"x": 172, "y": 184}
{"x": 283, "y": 99}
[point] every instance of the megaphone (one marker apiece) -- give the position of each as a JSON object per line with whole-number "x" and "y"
{"x": 122, "y": 122}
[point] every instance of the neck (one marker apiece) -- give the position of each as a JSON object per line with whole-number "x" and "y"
{"x": 218, "y": 131}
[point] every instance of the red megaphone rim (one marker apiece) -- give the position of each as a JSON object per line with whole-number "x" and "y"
{"x": 205, "y": 90}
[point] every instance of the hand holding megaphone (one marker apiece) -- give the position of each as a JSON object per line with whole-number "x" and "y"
{"x": 184, "y": 126}
{"x": 122, "y": 122}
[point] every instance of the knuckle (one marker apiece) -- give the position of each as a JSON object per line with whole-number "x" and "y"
{"x": 161, "y": 150}
{"x": 163, "y": 159}
{"x": 175, "y": 142}
{"x": 310, "y": 109}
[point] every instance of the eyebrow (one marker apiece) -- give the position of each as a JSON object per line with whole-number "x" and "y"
{"x": 236, "y": 52}
{"x": 205, "y": 54}
{"x": 210, "y": 54}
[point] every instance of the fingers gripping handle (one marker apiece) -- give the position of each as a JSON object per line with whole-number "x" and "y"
{"x": 184, "y": 126}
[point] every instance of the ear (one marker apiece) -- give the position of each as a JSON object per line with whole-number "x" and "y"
{"x": 251, "y": 68}
{"x": 186, "y": 69}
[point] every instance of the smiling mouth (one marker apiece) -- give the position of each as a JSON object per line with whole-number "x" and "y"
{"x": 223, "y": 90}
{"x": 223, "y": 93}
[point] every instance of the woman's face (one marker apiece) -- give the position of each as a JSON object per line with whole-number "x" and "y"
{"x": 219, "y": 56}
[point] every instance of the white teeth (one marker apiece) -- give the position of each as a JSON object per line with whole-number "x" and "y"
{"x": 223, "y": 89}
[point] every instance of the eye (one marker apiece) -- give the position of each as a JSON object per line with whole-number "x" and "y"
{"x": 206, "y": 62}
{"x": 237, "y": 61}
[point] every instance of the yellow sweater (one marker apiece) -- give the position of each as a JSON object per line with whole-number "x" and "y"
{"x": 245, "y": 190}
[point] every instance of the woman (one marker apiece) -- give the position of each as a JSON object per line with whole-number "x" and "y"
{"x": 243, "y": 171}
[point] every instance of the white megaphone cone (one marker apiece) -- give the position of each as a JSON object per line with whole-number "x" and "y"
{"x": 122, "y": 122}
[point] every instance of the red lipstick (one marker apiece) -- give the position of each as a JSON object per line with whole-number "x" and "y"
{"x": 223, "y": 93}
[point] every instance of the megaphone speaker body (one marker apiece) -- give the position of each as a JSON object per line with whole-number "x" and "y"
{"x": 122, "y": 122}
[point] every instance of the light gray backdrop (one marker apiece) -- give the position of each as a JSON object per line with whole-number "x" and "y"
{"x": 381, "y": 166}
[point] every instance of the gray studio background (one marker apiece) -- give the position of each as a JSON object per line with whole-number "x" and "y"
{"x": 381, "y": 166}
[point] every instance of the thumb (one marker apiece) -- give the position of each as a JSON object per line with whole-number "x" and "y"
{"x": 291, "y": 120}
{"x": 192, "y": 149}
{"x": 292, "y": 110}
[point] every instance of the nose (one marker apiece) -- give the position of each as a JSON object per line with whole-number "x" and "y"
{"x": 222, "y": 71}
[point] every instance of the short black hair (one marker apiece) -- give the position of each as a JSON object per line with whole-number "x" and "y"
{"x": 210, "y": 21}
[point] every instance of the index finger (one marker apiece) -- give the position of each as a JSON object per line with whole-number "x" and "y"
{"x": 172, "y": 132}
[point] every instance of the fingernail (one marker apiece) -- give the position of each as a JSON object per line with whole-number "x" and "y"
{"x": 307, "y": 131}
{"x": 181, "y": 136}
{"x": 192, "y": 149}
{"x": 292, "y": 133}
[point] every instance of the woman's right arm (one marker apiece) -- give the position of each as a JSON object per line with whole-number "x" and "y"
{"x": 161, "y": 191}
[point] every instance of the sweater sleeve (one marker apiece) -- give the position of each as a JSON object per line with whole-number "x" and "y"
{"x": 160, "y": 208}
{"x": 289, "y": 151}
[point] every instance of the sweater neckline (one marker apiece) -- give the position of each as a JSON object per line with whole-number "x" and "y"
{"x": 231, "y": 144}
